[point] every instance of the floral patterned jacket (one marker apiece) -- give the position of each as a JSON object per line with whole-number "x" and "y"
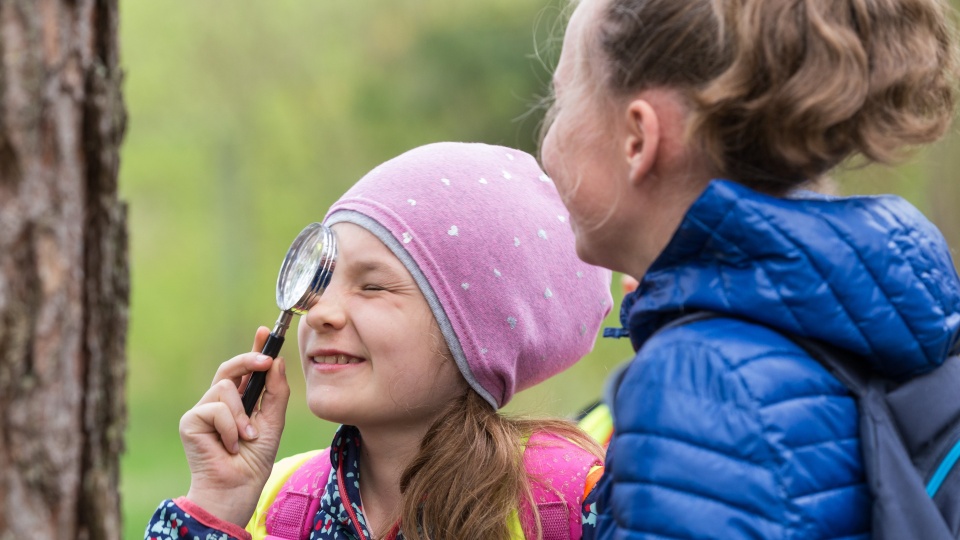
{"x": 340, "y": 516}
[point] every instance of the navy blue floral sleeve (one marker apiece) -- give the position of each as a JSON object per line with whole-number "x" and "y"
{"x": 589, "y": 509}
{"x": 178, "y": 519}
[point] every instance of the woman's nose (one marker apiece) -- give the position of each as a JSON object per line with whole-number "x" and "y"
{"x": 327, "y": 311}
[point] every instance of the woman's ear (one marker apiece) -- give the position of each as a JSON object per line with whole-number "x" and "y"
{"x": 643, "y": 139}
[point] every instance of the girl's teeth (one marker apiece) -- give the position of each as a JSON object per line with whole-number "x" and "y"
{"x": 338, "y": 359}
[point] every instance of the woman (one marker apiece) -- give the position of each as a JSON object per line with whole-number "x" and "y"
{"x": 681, "y": 134}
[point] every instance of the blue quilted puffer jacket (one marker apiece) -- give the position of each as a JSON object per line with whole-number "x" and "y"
{"x": 727, "y": 429}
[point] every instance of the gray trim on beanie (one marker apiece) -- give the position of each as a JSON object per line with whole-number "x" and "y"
{"x": 449, "y": 335}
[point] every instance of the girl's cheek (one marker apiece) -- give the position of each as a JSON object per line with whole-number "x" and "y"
{"x": 303, "y": 331}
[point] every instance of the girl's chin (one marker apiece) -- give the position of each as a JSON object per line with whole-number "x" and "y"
{"x": 331, "y": 414}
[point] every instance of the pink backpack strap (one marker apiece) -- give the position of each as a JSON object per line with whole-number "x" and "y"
{"x": 558, "y": 472}
{"x": 290, "y": 517}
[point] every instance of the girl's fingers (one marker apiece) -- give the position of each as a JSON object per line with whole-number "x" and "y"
{"x": 220, "y": 409}
{"x": 259, "y": 341}
{"x": 276, "y": 394}
{"x": 226, "y": 394}
{"x": 260, "y": 338}
{"x": 212, "y": 418}
{"x": 240, "y": 366}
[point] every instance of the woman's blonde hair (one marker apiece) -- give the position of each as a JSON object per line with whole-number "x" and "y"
{"x": 469, "y": 476}
{"x": 784, "y": 90}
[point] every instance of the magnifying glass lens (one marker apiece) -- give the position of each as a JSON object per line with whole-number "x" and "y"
{"x": 292, "y": 286}
{"x": 306, "y": 269}
{"x": 305, "y": 273}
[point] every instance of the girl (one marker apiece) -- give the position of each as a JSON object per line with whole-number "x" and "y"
{"x": 681, "y": 132}
{"x": 456, "y": 286}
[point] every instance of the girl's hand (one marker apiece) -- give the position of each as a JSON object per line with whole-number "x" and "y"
{"x": 231, "y": 455}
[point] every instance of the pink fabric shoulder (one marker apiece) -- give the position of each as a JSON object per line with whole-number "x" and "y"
{"x": 558, "y": 471}
{"x": 291, "y": 514}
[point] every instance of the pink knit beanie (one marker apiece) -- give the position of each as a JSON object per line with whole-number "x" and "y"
{"x": 483, "y": 232}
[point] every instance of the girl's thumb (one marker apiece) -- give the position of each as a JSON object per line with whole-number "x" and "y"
{"x": 276, "y": 395}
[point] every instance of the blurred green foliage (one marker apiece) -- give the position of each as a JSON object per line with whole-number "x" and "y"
{"x": 247, "y": 119}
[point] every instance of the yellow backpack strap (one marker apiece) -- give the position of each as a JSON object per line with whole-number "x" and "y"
{"x": 598, "y": 423}
{"x": 513, "y": 525}
{"x": 282, "y": 470}
{"x": 513, "y": 520}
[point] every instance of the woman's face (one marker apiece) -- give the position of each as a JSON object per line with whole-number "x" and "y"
{"x": 580, "y": 148}
{"x": 371, "y": 350}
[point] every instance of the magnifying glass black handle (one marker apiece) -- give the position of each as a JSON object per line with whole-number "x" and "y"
{"x": 251, "y": 394}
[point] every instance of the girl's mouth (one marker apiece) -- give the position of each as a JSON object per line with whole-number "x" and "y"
{"x": 336, "y": 359}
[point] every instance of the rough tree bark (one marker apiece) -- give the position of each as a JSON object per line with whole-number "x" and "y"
{"x": 63, "y": 270}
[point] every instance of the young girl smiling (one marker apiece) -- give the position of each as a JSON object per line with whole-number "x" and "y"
{"x": 456, "y": 286}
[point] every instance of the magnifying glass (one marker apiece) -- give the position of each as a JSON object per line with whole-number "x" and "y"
{"x": 304, "y": 275}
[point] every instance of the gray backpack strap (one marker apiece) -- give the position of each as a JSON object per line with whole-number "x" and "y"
{"x": 907, "y": 432}
{"x": 690, "y": 318}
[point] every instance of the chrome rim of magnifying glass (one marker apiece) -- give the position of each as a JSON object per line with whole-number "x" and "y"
{"x": 328, "y": 261}
{"x": 313, "y": 253}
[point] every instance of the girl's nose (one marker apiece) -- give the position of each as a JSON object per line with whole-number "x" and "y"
{"x": 327, "y": 312}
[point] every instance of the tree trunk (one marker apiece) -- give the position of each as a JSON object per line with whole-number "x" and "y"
{"x": 63, "y": 270}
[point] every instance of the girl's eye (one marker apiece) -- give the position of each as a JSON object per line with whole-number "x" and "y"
{"x": 373, "y": 288}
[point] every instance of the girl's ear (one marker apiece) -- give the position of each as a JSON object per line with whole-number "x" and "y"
{"x": 643, "y": 139}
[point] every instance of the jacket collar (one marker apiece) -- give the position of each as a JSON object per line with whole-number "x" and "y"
{"x": 341, "y": 514}
{"x": 869, "y": 274}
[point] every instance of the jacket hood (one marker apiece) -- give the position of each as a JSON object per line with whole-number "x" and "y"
{"x": 869, "y": 274}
